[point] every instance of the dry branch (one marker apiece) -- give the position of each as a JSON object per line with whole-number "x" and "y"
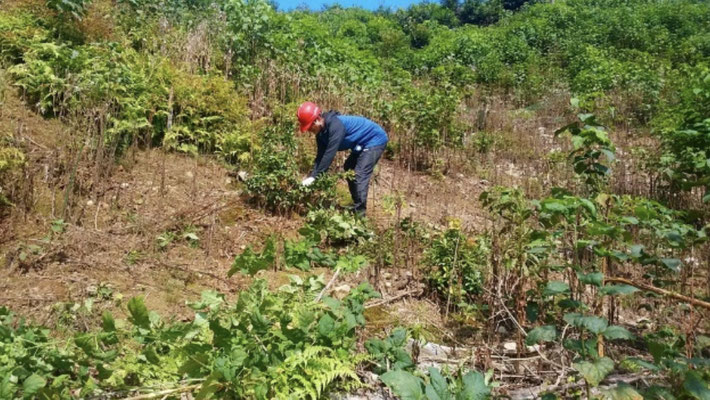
{"x": 663, "y": 292}
{"x": 164, "y": 393}
{"x": 395, "y": 298}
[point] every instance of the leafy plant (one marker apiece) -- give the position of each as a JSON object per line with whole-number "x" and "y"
{"x": 455, "y": 265}
{"x": 275, "y": 182}
{"x": 76, "y": 8}
{"x": 250, "y": 262}
{"x": 390, "y": 354}
{"x": 304, "y": 254}
{"x": 591, "y": 146}
{"x": 336, "y": 228}
{"x": 266, "y": 345}
{"x": 469, "y": 386}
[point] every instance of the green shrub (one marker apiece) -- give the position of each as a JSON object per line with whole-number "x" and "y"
{"x": 208, "y": 115}
{"x": 275, "y": 182}
{"x": 685, "y": 162}
{"x": 336, "y": 228}
{"x": 390, "y": 354}
{"x": 456, "y": 265}
{"x": 267, "y": 344}
{"x": 18, "y": 32}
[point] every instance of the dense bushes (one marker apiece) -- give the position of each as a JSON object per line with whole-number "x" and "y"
{"x": 267, "y": 344}
{"x": 456, "y": 266}
{"x": 686, "y": 137}
{"x": 410, "y": 70}
{"x": 276, "y": 181}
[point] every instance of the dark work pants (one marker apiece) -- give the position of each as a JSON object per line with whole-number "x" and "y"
{"x": 363, "y": 162}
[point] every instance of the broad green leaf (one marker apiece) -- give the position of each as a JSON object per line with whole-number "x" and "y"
{"x": 32, "y": 384}
{"x": 591, "y": 323}
{"x": 87, "y": 342}
{"x": 586, "y": 203}
{"x": 474, "y": 387}
{"x": 208, "y": 299}
{"x": 630, "y": 220}
{"x": 672, "y": 264}
{"x": 592, "y": 278}
{"x": 569, "y": 304}
{"x": 208, "y": 388}
{"x": 546, "y": 333}
{"x": 109, "y": 324}
{"x": 437, "y": 388}
{"x": 7, "y": 388}
{"x": 595, "y": 372}
{"x": 139, "y": 313}
{"x": 249, "y": 262}
{"x": 553, "y": 206}
{"x": 634, "y": 363}
{"x": 555, "y": 287}
{"x": 622, "y": 392}
{"x": 613, "y": 290}
{"x": 636, "y": 250}
{"x": 696, "y": 386}
{"x": 403, "y": 384}
{"x": 151, "y": 355}
{"x": 610, "y": 156}
{"x": 104, "y": 373}
{"x": 615, "y": 332}
{"x": 532, "y": 309}
{"x": 194, "y": 366}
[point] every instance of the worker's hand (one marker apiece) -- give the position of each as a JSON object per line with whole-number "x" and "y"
{"x": 308, "y": 181}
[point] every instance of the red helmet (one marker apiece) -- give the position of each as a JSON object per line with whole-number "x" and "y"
{"x": 307, "y": 113}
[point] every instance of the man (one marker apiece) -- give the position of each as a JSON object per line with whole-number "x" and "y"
{"x": 334, "y": 132}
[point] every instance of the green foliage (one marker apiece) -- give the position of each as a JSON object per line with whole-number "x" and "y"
{"x": 276, "y": 180}
{"x": 266, "y": 345}
{"x": 685, "y": 162}
{"x": 456, "y": 265}
{"x": 336, "y": 228}
{"x": 304, "y": 254}
{"x": 208, "y": 116}
{"x": 12, "y": 159}
{"x": 583, "y": 241}
{"x": 77, "y": 8}
{"x": 390, "y": 354}
{"x": 547, "y": 333}
{"x": 591, "y": 146}
{"x": 594, "y": 372}
{"x": 18, "y": 32}
{"x": 250, "y": 262}
{"x": 470, "y": 386}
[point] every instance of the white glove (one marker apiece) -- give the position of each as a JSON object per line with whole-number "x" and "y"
{"x": 308, "y": 181}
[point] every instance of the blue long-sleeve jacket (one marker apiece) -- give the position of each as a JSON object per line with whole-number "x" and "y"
{"x": 344, "y": 132}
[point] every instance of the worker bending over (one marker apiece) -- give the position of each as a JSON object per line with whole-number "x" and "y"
{"x": 334, "y": 132}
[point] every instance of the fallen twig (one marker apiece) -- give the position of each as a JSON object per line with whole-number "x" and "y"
{"x": 322, "y": 292}
{"x": 663, "y": 292}
{"x": 395, "y": 298}
{"x": 194, "y": 271}
{"x": 162, "y": 393}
